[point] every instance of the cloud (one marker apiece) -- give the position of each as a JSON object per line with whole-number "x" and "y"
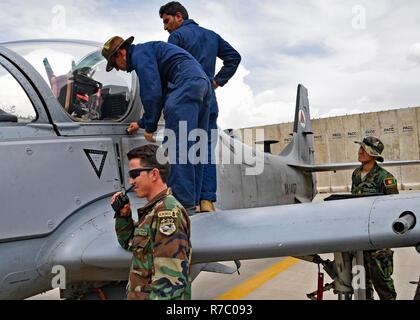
{"x": 79, "y": 19}
{"x": 347, "y": 68}
{"x": 248, "y": 109}
{"x": 414, "y": 53}
{"x": 13, "y": 98}
{"x": 363, "y": 70}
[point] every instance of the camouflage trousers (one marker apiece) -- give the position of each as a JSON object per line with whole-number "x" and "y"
{"x": 379, "y": 267}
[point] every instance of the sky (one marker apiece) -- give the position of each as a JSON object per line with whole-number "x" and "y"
{"x": 353, "y": 56}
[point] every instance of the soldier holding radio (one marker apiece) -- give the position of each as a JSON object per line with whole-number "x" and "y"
{"x": 160, "y": 240}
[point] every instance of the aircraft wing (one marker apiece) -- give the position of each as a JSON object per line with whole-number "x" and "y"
{"x": 347, "y": 166}
{"x": 288, "y": 230}
{"x": 303, "y": 229}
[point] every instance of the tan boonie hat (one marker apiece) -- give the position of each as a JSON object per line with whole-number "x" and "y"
{"x": 373, "y": 147}
{"x": 111, "y": 47}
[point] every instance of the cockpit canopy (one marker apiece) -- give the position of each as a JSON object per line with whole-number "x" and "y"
{"x": 75, "y": 71}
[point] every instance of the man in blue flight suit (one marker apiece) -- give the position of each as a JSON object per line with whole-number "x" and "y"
{"x": 206, "y": 46}
{"x": 173, "y": 81}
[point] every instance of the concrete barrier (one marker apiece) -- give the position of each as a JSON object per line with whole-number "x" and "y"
{"x": 334, "y": 143}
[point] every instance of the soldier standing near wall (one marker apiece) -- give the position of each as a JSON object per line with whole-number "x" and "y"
{"x": 370, "y": 178}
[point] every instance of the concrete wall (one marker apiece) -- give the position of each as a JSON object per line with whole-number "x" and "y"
{"x": 334, "y": 139}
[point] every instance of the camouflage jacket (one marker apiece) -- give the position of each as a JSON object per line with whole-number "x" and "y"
{"x": 161, "y": 247}
{"x": 378, "y": 180}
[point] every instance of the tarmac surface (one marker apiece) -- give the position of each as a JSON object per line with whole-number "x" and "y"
{"x": 285, "y": 279}
{"x": 258, "y": 282}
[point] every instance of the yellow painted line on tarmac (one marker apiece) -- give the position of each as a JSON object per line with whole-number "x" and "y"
{"x": 258, "y": 280}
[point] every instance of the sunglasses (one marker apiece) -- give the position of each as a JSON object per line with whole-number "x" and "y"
{"x": 133, "y": 174}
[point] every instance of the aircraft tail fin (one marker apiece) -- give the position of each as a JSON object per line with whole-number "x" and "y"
{"x": 301, "y": 148}
{"x": 300, "y": 151}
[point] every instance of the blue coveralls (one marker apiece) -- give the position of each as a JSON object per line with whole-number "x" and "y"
{"x": 172, "y": 80}
{"x": 206, "y": 46}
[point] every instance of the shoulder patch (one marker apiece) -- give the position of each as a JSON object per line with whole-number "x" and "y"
{"x": 168, "y": 214}
{"x": 168, "y": 221}
{"x": 141, "y": 232}
{"x": 167, "y": 226}
{"x": 390, "y": 182}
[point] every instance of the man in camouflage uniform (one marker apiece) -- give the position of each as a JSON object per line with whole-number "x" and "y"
{"x": 370, "y": 178}
{"x": 160, "y": 240}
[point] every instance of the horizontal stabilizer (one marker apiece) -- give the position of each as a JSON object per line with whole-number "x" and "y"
{"x": 348, "y": 166}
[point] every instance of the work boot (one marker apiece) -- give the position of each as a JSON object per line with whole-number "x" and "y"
{"x": 206, "y": 206}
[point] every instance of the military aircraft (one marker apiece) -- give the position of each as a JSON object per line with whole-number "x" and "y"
{"x": 62, "y": 156}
